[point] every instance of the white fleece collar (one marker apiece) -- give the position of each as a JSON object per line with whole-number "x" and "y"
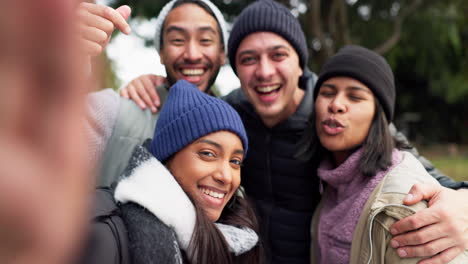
{"x": 153, "y": 187}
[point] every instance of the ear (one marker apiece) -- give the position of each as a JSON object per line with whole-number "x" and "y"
{"x": 161, "y": 56}
{"x": 223, "y": 57}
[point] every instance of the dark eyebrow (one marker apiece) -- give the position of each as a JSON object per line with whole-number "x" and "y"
{"x": 169, "y": 29}
{"x": 207, "y": 28}
{"x": 353, "y": 88}
{"x": 269, "y": 49}
{"x": 279, "y": 47}
{"x": 217, "y": 145}
{"x": 358, "y": 88}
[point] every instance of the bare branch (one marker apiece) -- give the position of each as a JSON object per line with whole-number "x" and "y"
{"x": 395, "y": 37}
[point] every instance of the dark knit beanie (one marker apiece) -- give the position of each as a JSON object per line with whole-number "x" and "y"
{"x": 189, "y": 114}
{"x": 365, "y": 66}
{"x": 269, "y": 16}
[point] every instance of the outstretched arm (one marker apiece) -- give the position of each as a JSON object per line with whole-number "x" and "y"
{"x": 44, "y": 176}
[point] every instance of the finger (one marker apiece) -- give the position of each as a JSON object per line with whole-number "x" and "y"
{"x": 148, "y": 93}
{"x": 95, "y": 35}
{"x": 420, "y": 192}
{"x": 419, "y": 236}
{"x": 427, "y": 249}
{"x": 91, "y": 48}
{"x": 444, "y": 257}
{"x": 139, "y": 86}
{"x": 420, "y": 219}
{"x": 124, "y": 11}
{"x": 112, "y": 15}
{"x": 93, "y": 20}
{"x": 157, "y": 81}
{"x": 135, "y": 97}
{"x": 124, "y": 93}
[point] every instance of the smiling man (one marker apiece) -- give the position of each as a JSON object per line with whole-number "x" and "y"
{"x": 190, "y": 47}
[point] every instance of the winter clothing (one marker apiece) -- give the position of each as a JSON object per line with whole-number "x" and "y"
{"x": 347, "y": 190}
{"x": 283, "y": 188}
{"x": 158, "y": 216}
{"x": 270, "y": 16}
{"x": 128, "y": 127}
{"x": 367, "y": 67}
{"x": 384, "y": 207}
{"x": 189, "y": 114}
{"x": 167, "y": 9}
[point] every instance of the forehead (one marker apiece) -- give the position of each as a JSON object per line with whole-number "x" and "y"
{"x": 263, "y": 41}
{"x": 190, "y": 17}
{"x": 345, "y": 82}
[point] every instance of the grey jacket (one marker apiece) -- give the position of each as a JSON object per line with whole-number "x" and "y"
{"x": 118, "y": 126}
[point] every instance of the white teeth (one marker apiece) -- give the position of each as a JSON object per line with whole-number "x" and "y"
{"x": 267, "y": 89}
{"x": 333, "y": 125}
{"x": 192, "y": 72}
{"x": 212, "y": 193}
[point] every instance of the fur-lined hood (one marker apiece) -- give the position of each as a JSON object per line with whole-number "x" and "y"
{"x": 148, "y": 183}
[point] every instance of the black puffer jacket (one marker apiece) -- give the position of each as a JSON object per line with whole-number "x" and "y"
{"x": 284, "y": 189}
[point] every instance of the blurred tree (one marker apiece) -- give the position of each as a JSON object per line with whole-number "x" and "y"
{"x": 425, "y": 41}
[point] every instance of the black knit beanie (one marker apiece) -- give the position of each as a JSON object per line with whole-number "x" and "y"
{"x": 365, "y": 66}
{"x": 267, "y": 15}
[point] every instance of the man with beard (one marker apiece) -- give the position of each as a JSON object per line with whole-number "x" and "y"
{"x": 190, "y": 47}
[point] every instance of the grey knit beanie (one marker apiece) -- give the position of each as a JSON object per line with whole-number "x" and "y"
{"x": 168, "y": 7}
{"x": 365, "y": 66}
{"x": 189, "y": 114}
{"x": 270, "y": 16}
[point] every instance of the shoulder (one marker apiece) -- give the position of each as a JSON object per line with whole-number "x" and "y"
{"x": 404, "y": 175}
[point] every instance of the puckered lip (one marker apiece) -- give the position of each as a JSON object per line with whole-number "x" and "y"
{"x": 332, "y": 122}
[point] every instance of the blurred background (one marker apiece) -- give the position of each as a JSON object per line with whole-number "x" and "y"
{"x": 425, "y": 42}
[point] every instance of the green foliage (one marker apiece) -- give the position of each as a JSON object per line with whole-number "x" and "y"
{"x": 429, "y": 56}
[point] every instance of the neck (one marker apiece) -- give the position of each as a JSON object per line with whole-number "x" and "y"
{"x": 291, "y": 108}
{"x": 341, "y": 156}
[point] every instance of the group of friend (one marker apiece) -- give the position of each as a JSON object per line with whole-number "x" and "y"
{"x": 325, "y": 175}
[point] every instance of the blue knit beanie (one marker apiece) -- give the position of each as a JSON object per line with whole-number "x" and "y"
{"x": 189, "y": 114}
{"x": 269, "y": 16}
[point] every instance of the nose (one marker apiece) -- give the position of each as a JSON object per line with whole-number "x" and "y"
{"x": 265, "y": 69}
{"x": 193, "y": 52}
{"x": 337, "y": 105}
{"x": 224, "y": 174}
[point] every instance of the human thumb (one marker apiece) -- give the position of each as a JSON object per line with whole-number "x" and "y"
{"x": 125, "y": 11}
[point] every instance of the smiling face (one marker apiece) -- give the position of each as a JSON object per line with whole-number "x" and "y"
{"x": 344, "y": 110}
{"x": 208, "y": 170}
{"x": 192, "y": 46}
{"x": 268, "y": 69}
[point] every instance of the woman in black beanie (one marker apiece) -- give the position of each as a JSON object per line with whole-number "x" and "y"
{"x": 364, "y": 176}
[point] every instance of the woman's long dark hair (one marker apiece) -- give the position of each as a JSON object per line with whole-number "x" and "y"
{"x": 377, "y": 147}
{"x": 208, "y": 244}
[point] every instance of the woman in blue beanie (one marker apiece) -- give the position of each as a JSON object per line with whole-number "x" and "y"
{"x": 179, "y": 199}
{"x": 364, "y": 175}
